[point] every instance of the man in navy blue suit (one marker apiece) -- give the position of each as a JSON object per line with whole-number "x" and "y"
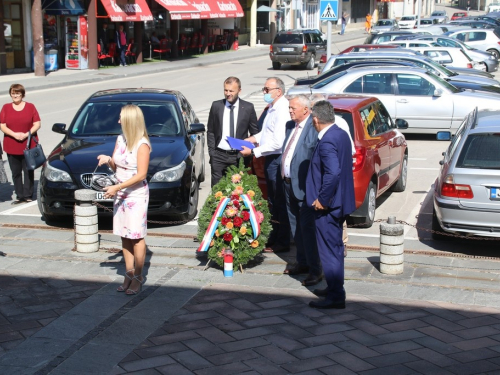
{"x": 330, "y": 191}
{"x": 300, "y": 142}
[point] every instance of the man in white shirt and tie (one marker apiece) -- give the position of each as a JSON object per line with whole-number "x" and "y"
{"x": 299, "y": 145}
{"x": 270, "y": 142}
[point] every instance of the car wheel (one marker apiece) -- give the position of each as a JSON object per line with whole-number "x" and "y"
{"x": 371, "y": 202}
{"x": 400, "y": 184}
{"x": 494, "y": 52}
{"x": 276, "y": 65}
{"x": 485, "y": 66}
{"x": 201, "y": 177}
{"x": 46, "y": 217}
{"x": 193, "y": 201}
{"x": 437, "y": 228}
{"x": 311, "y": 64}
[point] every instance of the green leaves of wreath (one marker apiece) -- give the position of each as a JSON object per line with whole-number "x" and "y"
{"x": 234, "y": 230}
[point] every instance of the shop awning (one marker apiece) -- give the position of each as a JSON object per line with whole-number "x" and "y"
{"x": 63, "y": 7}
{"x": 202, "y": 9}
{"x": 180, "y": 9}
{"x": 127, "y": 10}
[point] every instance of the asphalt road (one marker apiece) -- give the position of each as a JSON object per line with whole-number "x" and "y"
{"x": 201, "y": 86}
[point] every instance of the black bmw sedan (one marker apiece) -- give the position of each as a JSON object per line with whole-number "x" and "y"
{"x": 176, "y": 164}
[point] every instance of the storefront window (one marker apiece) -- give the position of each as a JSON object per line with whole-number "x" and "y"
{"x": 263, "y": 17}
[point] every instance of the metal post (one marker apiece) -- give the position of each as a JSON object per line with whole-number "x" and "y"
{"x": 391, "y": 247}
{"x": 329, "y": 40}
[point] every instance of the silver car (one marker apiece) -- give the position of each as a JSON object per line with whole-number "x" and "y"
{"x": 385, "y": 25}
{"x": 490, "y": 62}
{"x": 467, "y": 189}
{"x": 408, "y": 22}
{"x": 427, "y": 102}
{"x": 483, "y": 39}
{"x": 440, "y": 16}
{"x": 457, "y": 74}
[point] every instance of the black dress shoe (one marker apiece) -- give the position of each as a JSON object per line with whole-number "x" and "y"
{"x": 296, "y": 269}
{"x": 311, "y": 280}
{"x": 321, "y": 292}
{"x": 327, "y": 304}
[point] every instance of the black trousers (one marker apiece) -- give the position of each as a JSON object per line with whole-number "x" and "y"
{"x": 219, "y": 163}
{"x": 24, "y": 189}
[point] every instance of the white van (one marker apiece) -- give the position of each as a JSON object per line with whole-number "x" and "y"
{"x": 493, "y": 7}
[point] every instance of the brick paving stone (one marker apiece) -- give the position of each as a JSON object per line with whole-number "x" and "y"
{"x": 224, "y": 324}
{"x": 434, "y": 357}
{"x": 148, "y": 363}
{"x": 176, "y": 369}
{"x": 233, "y": 313}
{"x": 308, "y": 364}
{"x": 264, "y": 313}
{"x": 350, "y": 361}
{"x": 483, "y": 342}
{"x": 442, "y": 323}
{"x": 336, "y": 370}
{"x": 275, "y": 354}
{"x": 278, "y": 303}
{"x": 238, "y": 356}
{"x": 251, "y": 332}
{"x": 394, "y": 369}
{"x": 244, "y": 305}
{"x": 330, "y": 328}
{"x": 363, "y": 338}
{"x": 473, "y": 367}
{"x": 357, "y": 349}
{"x": 149, "y": 371}
{"x": 193, "y": 317}
{"x": 439, "y": 334}
{"x": 207, "y": 306}
{"x": 391, "y": 359}
{"x": 408, "y": 315}
{"x": 428, "y": 368}
{"x": 10, "y": 336}
{"x": 477, "y": 332}
{"x": 283, "y": 342}
{"x": 379, "y": 308}
{"x": 244, "y": 344}
{"x": 203, "y": 347}
{"x": 438, "y": 346}
{"x": 369, "y": 327}
{"x": 229, "y": 369}
{"x": 216, "y": 296}
{"x": 174, "y": 337}
{"x": 374, "y": 317}
{"x": 324, "y": 339}
{"x": 401, "y": 335}
{"x": 154, "y": 351}
{"x": 445, "y": 314}
{"x": 406, "y": 324}
{"x": 292, "y": 331}
{"x": 316, "y": 351}
{"x": 396, "y": 347}
{"x": 264, "y": 321}
{"x": 479, "y": 321}
{"x": 349, "y": 317}
{"x": 264, "y": 366}
{"x": 191, "y": 360}
{"x": 474, "y": 355}
{"x": 215, "y": 335}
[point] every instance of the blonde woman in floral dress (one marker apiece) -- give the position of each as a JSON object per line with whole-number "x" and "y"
{"x": 130, "y": 161}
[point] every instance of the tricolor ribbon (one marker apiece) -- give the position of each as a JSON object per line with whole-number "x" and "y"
{"x": 212, "y": 226}
{"x": 253, "y": 215}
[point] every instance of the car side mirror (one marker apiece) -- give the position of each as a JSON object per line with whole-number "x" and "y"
{"x": 443, "y": 136}
{"x": 401, "y": 124}
{"x": 59, "y": 128}
{"x": 438, "y": 92}
{"x": 196, "y": 128}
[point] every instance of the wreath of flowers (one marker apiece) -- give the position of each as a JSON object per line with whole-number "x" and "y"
{"x": 234, "y": 230}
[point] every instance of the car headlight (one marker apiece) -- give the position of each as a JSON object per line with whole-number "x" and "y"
{"x": 56, "y": 175}
{"x": 492, "y": 57}
{"x": 170, "y": 175}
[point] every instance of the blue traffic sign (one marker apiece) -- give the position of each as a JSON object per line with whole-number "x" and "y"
{"x": 328, "y": 10}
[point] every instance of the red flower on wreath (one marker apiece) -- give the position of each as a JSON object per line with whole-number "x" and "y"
{"x": 236, "y": 204}
{"x": 246, "y": 215}
{"x": 237, "y": 221}
{"x": 235, "y": 197}
{"x": 225, "y": 220}
{"x": 228, "y": 237}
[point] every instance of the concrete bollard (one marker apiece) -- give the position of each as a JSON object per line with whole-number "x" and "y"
{"x": 86, "y": 224}
{"x": 391, "y": 247}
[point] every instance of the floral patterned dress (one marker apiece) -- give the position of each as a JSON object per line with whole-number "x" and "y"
{"x": 131, "y": 204}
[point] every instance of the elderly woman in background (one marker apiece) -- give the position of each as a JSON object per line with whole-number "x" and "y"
{"x": 17, "y": 119}
{"x": 130, "y": 161}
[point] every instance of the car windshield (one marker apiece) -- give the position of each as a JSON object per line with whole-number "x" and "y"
{"x": 98, "y": 119}
{"x": 477, "y": 152}
{"x": 444, "y": 83}
{"x": 288, "y": 39}
{"x": 435, "y": 14}
{"x": 347, "y": 116}
{"x": 327, "y": 80}
{"x": 384, "y": 23}
{"x": 447, "y": 72}
{"x": 408, "y": 18}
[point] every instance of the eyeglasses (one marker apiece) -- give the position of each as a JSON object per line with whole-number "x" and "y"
{"x": 267, "y": 89}
{"x": 15, "y": 94}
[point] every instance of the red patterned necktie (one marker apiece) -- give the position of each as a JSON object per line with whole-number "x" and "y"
{"x": 288, "y": 149}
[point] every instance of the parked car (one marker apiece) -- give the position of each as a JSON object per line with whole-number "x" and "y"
{"x": 486, "y": 58}
{"x": 408, "y": 22}
{"x": 381, "y": 159}
{"x": 485, "y": 39}
{"x": 440, "y": 16}
{"x": 493, "y": 7}
{"x": 357, "y": 48}
{"x": 304, "y": 81}
{"x": 475, "y": 24}
{"x": 487, "y": 19}
{"x": 458, "y": 15}
{"x": 451, "y": 57}
{"x": 467, "y": 189}
{"x": 426, "y": 22}
{"x": 383, "y": 37}
{"x": 428, "y": 103}
{"x": 177, "y": 160}
{"x": 430, "y": 65}
{"x": 413, "y": 42}
{"x": 384, "y": 25}
{"x": 296, "y": 47}
{"x": 476, "y": 87}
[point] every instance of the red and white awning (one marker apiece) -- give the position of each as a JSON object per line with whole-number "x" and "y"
{"x": 127, "y": 10}
{"x": 202, "y": 9}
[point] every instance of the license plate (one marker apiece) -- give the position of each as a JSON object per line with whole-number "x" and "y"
{"x": 287, "y": 49}
{"x": 100, "y": 196}
{"x": 494, "y": 193}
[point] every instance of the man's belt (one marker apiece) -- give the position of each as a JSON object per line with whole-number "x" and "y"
{"x": 227, "y": 152}
{"x": 288, "y": 180}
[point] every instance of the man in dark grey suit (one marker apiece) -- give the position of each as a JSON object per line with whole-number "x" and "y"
{"x": 300, "y": 142}
{"x": 233, "y": 117}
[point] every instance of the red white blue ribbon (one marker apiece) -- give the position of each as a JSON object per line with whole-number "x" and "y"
{"x": 253, "y": 215}
{"x": 212, "y": 226}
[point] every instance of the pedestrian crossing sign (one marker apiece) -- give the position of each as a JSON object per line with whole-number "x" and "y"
{"x": 328, "y": 10}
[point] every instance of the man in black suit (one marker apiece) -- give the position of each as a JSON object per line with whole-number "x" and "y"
{"x": 233, "y": 117}
{"x": 103, "y": 38}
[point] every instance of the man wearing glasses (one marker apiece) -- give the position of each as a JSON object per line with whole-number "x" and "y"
{"x": 270, "y": 142}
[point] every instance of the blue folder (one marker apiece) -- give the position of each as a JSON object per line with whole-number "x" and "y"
{"x": 237, "y": 143}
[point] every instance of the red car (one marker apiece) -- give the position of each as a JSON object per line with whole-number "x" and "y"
{"x": 357, "y": 48}
{"x": 381, "y": 159}
{"x": 458, "y": 15}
